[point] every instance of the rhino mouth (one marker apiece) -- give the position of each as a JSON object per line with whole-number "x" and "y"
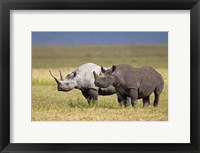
{"x": 66, "y": 90}
{"x": 63, "y": 89}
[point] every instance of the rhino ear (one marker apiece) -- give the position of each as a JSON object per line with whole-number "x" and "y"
{"x": 114, "y": 68}
{"x": 74, "y": 74}
{"x": 102, "y": 69}
{"x": 71, "y": 75}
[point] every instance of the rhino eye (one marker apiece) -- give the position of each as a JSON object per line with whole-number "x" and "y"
{"x": 67, "y": 83}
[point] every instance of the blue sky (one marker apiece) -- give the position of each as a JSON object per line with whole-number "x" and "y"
{"x": 98, "y": 38}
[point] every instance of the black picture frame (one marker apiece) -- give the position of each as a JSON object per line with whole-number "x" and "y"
{"x": 7, "y": 5}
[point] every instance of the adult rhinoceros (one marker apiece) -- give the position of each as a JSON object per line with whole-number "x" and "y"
{"x": 82, "y": 78}
{"x": 132, "y": 82}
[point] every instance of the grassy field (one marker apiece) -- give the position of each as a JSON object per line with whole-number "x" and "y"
{"x": 50, "y": 105}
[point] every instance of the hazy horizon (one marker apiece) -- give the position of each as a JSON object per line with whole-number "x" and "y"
{"x": 99, "y": 38}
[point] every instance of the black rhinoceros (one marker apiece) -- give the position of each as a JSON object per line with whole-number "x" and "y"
{"x": 132, "y": 82}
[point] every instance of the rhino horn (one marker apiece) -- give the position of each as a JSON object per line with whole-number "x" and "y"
{"x": 95, "y": 75}
{"x": 61, "y": 76}
{"x": 101, "y": 74}
{"x": 54, "y": 77}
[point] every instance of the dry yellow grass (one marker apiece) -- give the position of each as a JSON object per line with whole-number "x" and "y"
{"x": 49, "y": 105}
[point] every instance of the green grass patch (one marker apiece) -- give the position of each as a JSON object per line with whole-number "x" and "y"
{"x": 73, "y": 56}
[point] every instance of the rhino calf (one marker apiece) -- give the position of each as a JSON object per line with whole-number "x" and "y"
{"x": 132, "y": 82}
{"x": 82, "y": 79}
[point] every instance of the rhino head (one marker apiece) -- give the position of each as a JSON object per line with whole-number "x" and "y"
{"x": 105, "y": 78}
{"x": 65, "y": 84}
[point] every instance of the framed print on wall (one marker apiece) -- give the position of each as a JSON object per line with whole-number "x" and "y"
{"x": 99, "y": 76}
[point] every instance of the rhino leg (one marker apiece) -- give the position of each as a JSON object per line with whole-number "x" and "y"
{"x": 156, "y": 100}
{"x": 120, "y": 102}
{"x": 85, "y": 94}
{"x": 90, "y": 94}
{"x": 128, "y": 101}
{"x": 157, "y": 93}
{"x": 93, "y": 95}
{"x": 120, "y": 98}
{"x": 146, "y": 101}
{"x": 133, "y": 93}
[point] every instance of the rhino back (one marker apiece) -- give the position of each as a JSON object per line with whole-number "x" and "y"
{"x": 124, "y": 75}
{"x": 144, "y": 79}
{"x": 85, "y": 76}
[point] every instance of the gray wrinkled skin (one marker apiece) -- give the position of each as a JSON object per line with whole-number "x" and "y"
{"x": 132, "y": 82}
{"x": 82, "y": 78}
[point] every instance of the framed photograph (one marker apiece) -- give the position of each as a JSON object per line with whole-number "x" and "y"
{"x": 99, "y": 76}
